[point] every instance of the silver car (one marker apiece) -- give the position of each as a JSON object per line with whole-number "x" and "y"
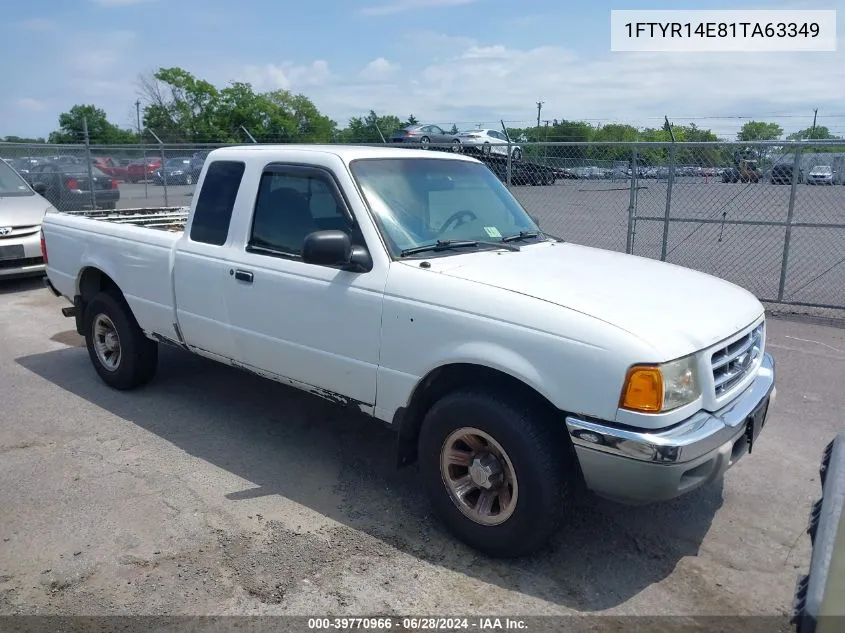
{"x": 21, "y": 212}
{"x": 820, "y": 175}
{"x": 488, "y": 142}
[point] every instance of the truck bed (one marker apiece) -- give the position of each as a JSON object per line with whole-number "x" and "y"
{"x": 161, "y": 218}
{"x": 133, "y": 247}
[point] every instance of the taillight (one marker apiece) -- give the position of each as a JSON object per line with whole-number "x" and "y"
{"x": 43, "y": 247}
{"x": 72, "y": 184}
{"x": 115, "y": 184}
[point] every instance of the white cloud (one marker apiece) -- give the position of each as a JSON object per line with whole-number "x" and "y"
{"x": 379, "y": 70}
{"x": 488, "y": 81}
{"x": 400, "y": 6}
{"x": 286, "y": 76}
{"x": 27, "y": 103}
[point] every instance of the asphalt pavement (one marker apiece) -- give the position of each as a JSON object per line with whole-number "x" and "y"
{"x": 213, "y": 491}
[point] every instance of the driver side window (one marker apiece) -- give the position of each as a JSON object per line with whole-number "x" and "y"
{"x": 292, "y": 205}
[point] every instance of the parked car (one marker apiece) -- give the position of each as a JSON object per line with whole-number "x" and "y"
{"x": 143, "y": 169}
{"x": 820, "y": 175}
{"x": 424, "y": 136}
{"x": 23, "y": 165}
{"x": 68, "y": 187}
{"x": 177, "y": 171}
{"x": 21, "y": 212}
{"x": 782, "y": 174}
{"x": 488, "y": 142}
{"x": 109, "y": 166}
{"x": 411, "y": 286}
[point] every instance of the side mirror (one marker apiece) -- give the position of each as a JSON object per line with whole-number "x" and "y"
{"x": 40, "y": 188}
{"x": 334, "y": 248}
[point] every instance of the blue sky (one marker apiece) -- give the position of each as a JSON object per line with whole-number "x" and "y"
{"x": 447, "y": 61}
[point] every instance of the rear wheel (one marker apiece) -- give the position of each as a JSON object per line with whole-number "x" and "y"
{"x": 121, "y": 354}
{"x": 498, "y": 474}
{"x": 424, "y": 142}
{"x": 456, "y": 146}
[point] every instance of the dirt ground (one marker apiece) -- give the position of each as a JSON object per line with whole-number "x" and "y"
{"x": 213, "y": 491}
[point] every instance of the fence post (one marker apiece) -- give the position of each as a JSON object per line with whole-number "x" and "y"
{"x": 664, "y": 245}
{"x": 509, "y": 163}
{"x": 88, "y": 163}
{"x": 632, "y": 204}
{"x": 163, "y": 170}
{"x": 796, "y": 172}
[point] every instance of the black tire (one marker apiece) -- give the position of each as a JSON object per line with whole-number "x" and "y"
{"x": 516, "y": 155}
{"x": 189, "y": 179}
{"x": 544, "y": 465}
{"x": 485, "y": 149}
{"x": 425, "y": 142}
{"x": 138, "y": 355}
{"x": 456, "y": 146}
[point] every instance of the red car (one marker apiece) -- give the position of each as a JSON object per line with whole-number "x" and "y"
{"x": 142, "y": 169}
{"x": 109, "y": 166}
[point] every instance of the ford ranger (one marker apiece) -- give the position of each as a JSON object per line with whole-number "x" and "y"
{"x": 517, "y": 369}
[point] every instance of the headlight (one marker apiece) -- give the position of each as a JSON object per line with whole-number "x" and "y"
{"x": 659, "y": 388}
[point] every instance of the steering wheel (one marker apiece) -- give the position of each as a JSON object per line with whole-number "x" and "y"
{"x": 456, "y": 217}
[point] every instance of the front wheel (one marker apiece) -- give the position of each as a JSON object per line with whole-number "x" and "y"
{"x": 189, "y": 179}
{"x": 121, "y": 354}
{"x": 516, "y": 154}
{"x": 498, "y": 474}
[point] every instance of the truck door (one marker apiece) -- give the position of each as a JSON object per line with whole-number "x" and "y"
{"x": 201, "y": 268}
{"x": 315, "y": 325}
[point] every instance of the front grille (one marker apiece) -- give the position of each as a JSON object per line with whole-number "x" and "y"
{"x": 733, "y": 362}
{"x": 8, "y": 232}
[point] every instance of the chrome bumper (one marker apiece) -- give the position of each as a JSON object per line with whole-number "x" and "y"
{"x": 644, "y": 466}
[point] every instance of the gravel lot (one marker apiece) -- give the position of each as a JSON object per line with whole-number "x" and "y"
{"x": 213, "y": 491}
{"x": 596, "y": 213}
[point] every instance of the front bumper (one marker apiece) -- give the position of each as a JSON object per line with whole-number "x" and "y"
{"x": 640, "y": 467}
{"x": 21, "y": 256}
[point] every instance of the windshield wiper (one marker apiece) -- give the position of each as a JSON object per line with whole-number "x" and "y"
{"x": 442, "y": 245}
{"x": 522, "y": 235}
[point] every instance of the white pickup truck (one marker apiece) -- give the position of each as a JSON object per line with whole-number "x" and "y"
{"x": 517, "y": 369}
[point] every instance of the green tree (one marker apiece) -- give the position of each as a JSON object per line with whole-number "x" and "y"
{"x": 184, "y": 108}
{"x": 453, "y": 129}
{"x": 100, "y": 130}
{"x": 819, "y": 133}
{"x": 23, "y": 139}
{"x": 412, "y": 120}
{"x": 759, "y": 131}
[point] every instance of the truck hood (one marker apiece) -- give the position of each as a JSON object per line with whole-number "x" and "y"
{"x": 673, "y": 309}
{"x": 22, "y": 210}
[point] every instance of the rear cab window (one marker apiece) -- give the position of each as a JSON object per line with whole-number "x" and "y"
{"x": 213, "y": 212}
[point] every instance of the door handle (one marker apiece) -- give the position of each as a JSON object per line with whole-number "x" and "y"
{"x": 244, "y": 275}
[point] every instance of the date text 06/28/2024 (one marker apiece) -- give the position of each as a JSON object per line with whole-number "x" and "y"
{"x": 417, "y": 624}
{"x": 723, "y": 31}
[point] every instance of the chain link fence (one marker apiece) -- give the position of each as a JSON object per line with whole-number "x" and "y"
{"x": 768, "y": 216}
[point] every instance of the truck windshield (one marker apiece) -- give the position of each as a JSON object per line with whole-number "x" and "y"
{"x": 11, "y": 184}
{"x": 417, "y": 201}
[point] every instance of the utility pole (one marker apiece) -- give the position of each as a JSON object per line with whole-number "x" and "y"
{"x": 815, "y": 114}
{"x": 138, "y": 116}
{"x": 539, "y": 110}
